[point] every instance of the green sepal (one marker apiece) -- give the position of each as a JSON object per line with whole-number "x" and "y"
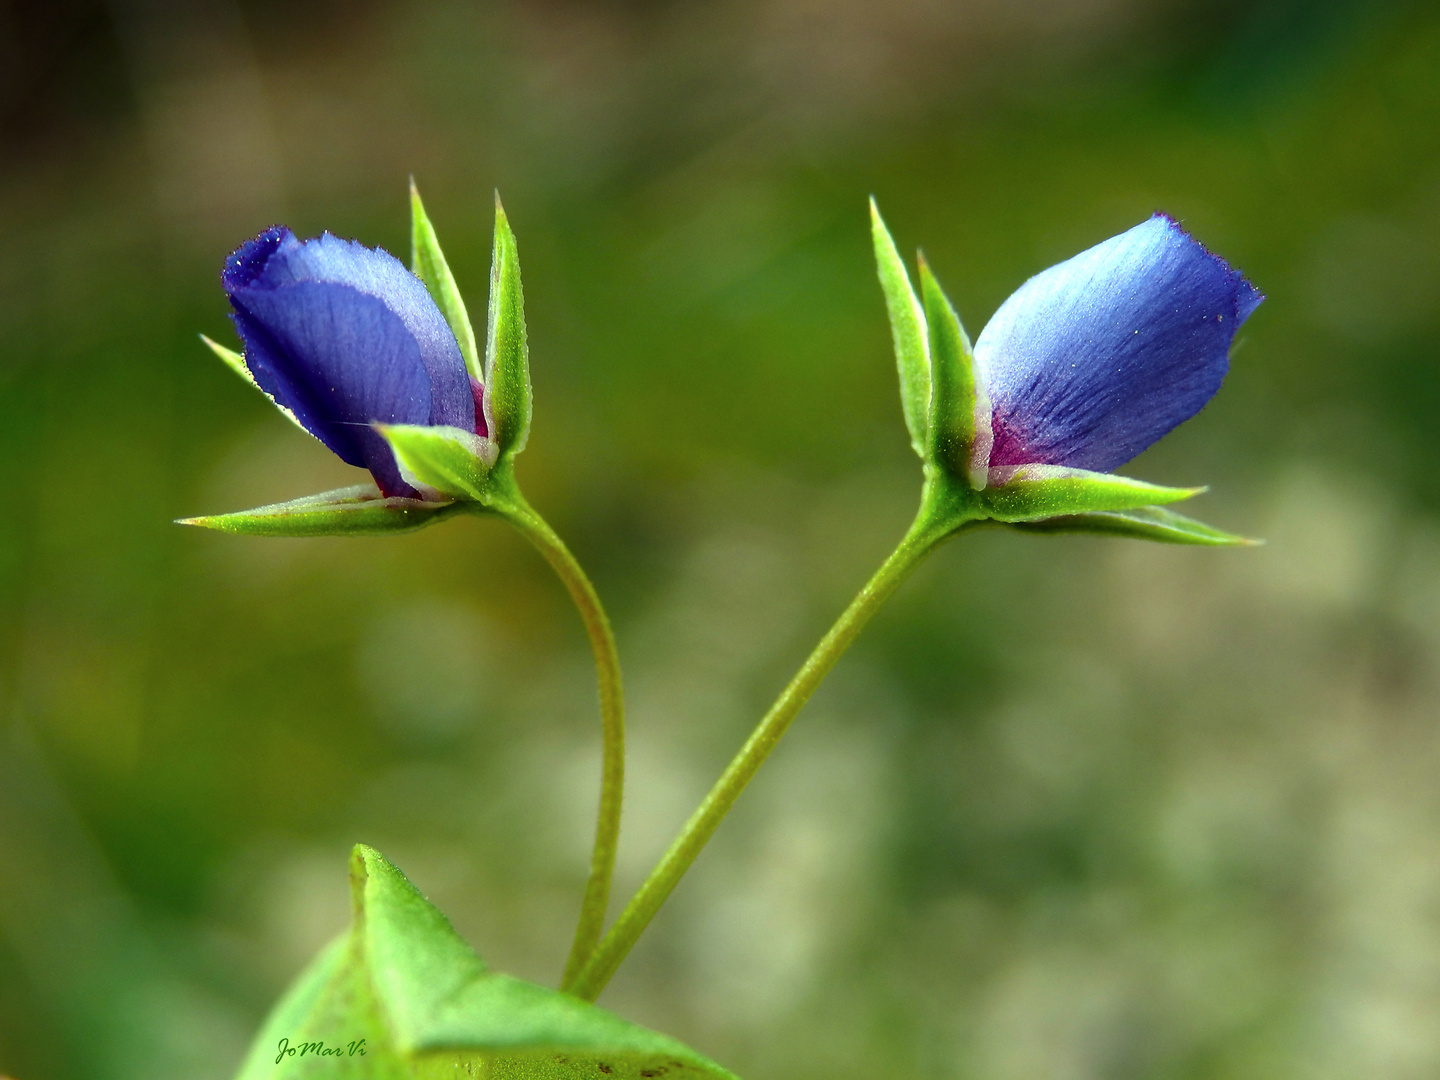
{"x": 507, "y": 355}
{"x": 236, "y": 363}
{"x": 233, "y": 360}
{"x": 1142, "y": 523}
{"x": 907, "y": 328}
{"x": 428, "y": 263}
{"x": 428, "y": 1007}
{"x": 353, "y": 511}
{"x": 450, "y": 461}
{"x": 960, "y": 434}
{"x": 1028, "y": 492}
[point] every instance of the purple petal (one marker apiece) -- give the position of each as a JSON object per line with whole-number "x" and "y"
{"x": 343, "y": 336}
{"x": 1094, "y": 359}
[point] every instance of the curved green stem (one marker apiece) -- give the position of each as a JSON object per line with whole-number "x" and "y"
{"x": 943, "y": 509}
{"x": 513, "y": 507}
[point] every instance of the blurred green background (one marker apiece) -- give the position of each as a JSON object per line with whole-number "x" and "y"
{"x": 1073, "y": 808}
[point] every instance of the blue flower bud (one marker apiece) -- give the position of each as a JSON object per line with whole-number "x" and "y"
{"x": 1093, "y": 360}
{"x": 1084, "y": 366}
{"x": 343, "y": 337}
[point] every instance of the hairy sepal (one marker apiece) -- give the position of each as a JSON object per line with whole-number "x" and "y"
{"x": 427, "y": 1006}
{"x": 353, "y": 511}
{"x": 507, "y": 354}
{"x": 428, "y": 263}
{"x": 1031, "y": 492}
{"x": 1145, "y": 523}
{"x": 960, "y": 433}
{"x": 449, "y": 461}
{"x": 908, "y": 330}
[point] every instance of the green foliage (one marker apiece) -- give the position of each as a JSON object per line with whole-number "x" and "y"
{"x": 352, "y": 511}
{"x": 1051, "y": 498}
{"x": 907, "y": 327}
{"x": 1041, "y": 491}
{"x": 1142, "y": 523}
{"x": 507, "y": 355}
{"x": 427, "y": 1006}
{"x": 448, "y": 460}
{"x": 428, "y": 263}
{"x": 960, "y": 435}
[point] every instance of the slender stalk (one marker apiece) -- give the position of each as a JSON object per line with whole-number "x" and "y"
{"x": 931, "y": 526}
{"x": 519, "y": 513}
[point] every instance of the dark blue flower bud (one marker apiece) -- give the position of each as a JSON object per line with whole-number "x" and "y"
{"x": 343, "y": 337}
{"x": 1094, "y": 359}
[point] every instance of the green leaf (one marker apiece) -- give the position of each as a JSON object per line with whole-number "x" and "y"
{"x": 907, "y": 327}
{"x": 960, "y": 435}
{"x": 351, "y": 511}
{"x": 449, "y": 460}
{"x": 1041, "y": 491}
{"x": 507, "y": 356}
{"x": 429, "y": 265}
{"x": 428, "y": 1007}
{"x": 236, "y": 363}
{"x": 326, "y": 996}
{"x": 1143, "y": 523}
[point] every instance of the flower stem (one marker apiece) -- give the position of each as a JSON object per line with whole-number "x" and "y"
{"x": 937, "y": 519}
{"x": 519, "y": 513}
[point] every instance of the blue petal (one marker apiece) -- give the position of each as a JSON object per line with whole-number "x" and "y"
{"x": 343, "y": 336}
{"x": 1092, "y": 360}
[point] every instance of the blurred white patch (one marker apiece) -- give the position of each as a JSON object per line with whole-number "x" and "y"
{"x": 666, "y": 784}
{"x": 1069, "y": 723}
{"x": 1061, "y": 1014}
{"x": 1221, "y": 821}
{"x": 737, "y": 601}
{"x": 1326, "y": 539}
{"x": 1378, "y": 988}
{"x": 279, "y": 904}
{"x": 784, "y": 896}
{"x": 1417, "y": 587}
{"x": 426, "y": 668}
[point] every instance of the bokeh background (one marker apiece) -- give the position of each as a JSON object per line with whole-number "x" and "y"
{"x": 1072, "y": 808}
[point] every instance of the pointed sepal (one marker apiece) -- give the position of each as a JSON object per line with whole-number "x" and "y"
{"x": 507, "y": 355}
{"x": 1143, "y": 523}
{"x": 353, "y": 511}
{"x": 907, "y": 328}
{"x": 231, "y": 359}
{"x": 449, "y": 461}
{"x": 427, "y": 1006}
{"x": 1030, "y": 492}
{"x": 960, "y": 435}
{"x": 236, "y": 363}
{"x": 428, "y": 263}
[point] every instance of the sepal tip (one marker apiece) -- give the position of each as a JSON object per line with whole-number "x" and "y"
{"x": 360, "y": 510}
{"x": 1154, "y": 523}
{"x": 428, "y": 263}
{"x": 907, "y": 330}
{"x": 507, "y": 353}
